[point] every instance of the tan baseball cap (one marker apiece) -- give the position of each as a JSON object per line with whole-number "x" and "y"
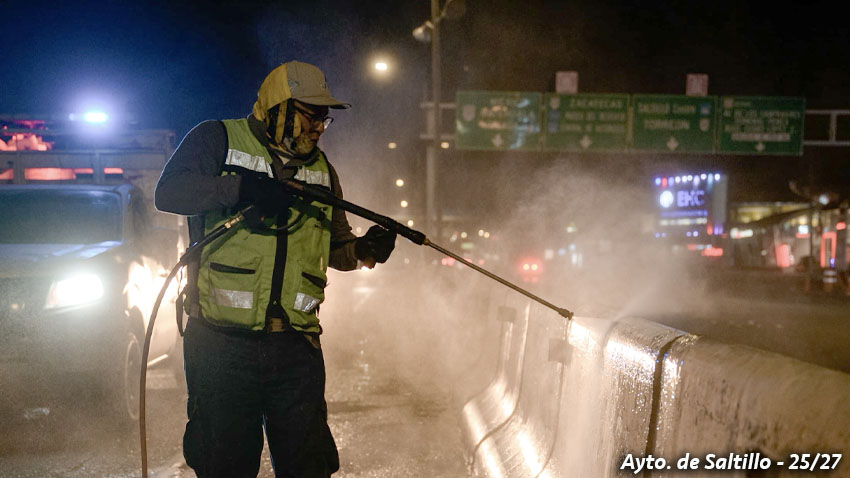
{"x": 301, "y": 81}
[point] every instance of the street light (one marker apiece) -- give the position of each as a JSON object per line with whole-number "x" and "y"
{"x": 382, "y": 67}
{"x": 429, "y": 32}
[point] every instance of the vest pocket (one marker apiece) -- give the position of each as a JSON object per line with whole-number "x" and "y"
{"x": 233, "y": 292}
{"x": 231, "y": 269}
{"x": 311, "y": 292}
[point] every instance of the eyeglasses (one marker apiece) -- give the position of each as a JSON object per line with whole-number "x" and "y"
{"x": 315, "y": 119}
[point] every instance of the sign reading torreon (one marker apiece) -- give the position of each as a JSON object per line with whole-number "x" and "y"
{"x": 671, "y": 123}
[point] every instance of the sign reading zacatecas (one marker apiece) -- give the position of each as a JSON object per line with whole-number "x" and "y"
{"x": 672, "y": 123}
{"x": 503, "y": 121}
{"x": 589, "y": 122}
{"x": 498, "y": 120}
{"x": 762, "y": 125}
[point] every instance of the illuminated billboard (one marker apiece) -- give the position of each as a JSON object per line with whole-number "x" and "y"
{"x": 690, "y": 205}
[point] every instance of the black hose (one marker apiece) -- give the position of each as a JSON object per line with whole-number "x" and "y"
{"x": 144, "y": 375}
{"x": 184, "y": 259}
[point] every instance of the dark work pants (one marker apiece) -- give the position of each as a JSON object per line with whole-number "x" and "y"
{"x": 240, "y": 384}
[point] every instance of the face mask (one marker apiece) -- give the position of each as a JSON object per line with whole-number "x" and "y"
{"x": 284, "y": 131}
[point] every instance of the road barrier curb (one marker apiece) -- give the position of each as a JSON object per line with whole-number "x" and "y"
{"x": 522, "y": 445}
{"x": 606, "y": 389}
{"x": 494, "y": 405}
{"x": 606, "y": 409}
{"x": 721, "y": 399}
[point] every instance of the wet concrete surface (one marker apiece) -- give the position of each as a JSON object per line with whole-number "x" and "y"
{"x": 387, "y": 418}
{"x": 384, "y": 425}
{"x": 69, "y": 434}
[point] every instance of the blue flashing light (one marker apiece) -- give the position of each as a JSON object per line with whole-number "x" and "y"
{"x": 95, "y": 117}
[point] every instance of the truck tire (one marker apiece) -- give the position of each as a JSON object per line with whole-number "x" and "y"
{"x": 120, "y": 385}
{"x": 126, "y": 393}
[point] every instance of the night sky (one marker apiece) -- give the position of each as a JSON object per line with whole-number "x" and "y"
{"x": 172, "y": 64}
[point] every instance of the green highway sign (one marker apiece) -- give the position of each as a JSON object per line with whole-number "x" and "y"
{"x": 674, "y": 124}
{"x": 762, "y": 125}
{"x": 588, "y": 122}
{"x": 498, "y": 120}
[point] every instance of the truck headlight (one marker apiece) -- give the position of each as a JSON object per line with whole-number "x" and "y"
{"x": 74, "y": 290}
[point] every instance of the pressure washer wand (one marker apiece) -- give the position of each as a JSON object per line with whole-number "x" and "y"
{"x": 416, "y": 237}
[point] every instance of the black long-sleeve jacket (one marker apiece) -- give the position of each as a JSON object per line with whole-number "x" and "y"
{"x": 191, "y": 184}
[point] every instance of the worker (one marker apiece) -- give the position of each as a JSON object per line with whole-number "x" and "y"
{"x": 252, "y": 350}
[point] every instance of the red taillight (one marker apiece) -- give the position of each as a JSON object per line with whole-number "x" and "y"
{"x": 530, "y": 267}
{"x": 60, "y": 174}
{"x": 49, "y": 174}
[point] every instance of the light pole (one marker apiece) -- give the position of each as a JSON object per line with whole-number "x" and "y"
{"x": 430, "y": 31}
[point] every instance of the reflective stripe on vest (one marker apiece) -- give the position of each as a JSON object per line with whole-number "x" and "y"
{"x": 314, "y": 177}
{"x": 236, "y": 299}
{"x": 237, "y": 292}
{"x": 247, "y": 161}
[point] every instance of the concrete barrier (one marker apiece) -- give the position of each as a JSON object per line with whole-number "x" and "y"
{"x": 632, "y": 370}
{"x": 633, "y": 387}
{"x": 580, "y": 413}
{"x": 607, "y": 410}
{"x": 521, "y": 446}
{"x": 477, "y": 360}
{"x": 492, "y": 407}
{"x": 720, "y": 399}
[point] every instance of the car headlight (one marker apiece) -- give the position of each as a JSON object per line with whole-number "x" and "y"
{"x": 74, "y": 290}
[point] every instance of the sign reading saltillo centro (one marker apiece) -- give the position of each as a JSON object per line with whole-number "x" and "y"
{"x": 674, "y": 124}
{"x": 498, "y": 120}
{"x": 762, "y": 125}
{"x": 589, "y": 122}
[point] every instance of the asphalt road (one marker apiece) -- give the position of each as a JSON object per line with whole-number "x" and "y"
{"x": 764, "y": 309}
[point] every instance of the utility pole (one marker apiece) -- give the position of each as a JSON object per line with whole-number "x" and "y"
{"x": 433, "y": 212}
{"x": 430, "y": 32}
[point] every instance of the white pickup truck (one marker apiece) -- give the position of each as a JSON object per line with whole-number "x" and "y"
{"x": 83, "y": 253}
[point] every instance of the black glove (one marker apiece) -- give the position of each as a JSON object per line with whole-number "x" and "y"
{"x": 378, "y": 243}
{"x": 269, "y": 196}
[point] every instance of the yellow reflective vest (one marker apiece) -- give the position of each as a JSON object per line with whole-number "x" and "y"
{"x": 246, "y": 276}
